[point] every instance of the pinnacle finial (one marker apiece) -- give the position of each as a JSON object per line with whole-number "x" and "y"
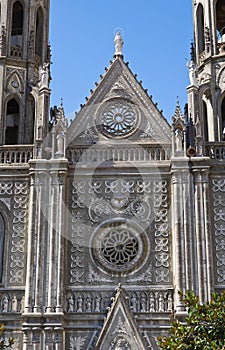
{"x": 118, "y": 44}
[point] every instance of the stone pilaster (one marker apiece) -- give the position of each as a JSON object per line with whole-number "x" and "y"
{"x": 203, "y": 232}
{"x": 55, "y": 236}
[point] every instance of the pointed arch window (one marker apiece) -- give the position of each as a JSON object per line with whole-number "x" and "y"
{"x": 39, "y": 32}
{"x": 2, "y": 240}
{"x": 200, "y": 28}
{"x": 223, "y": 119}
{"x": 17, "y": 24}
{"x": 30, "y": 119}
{"x": 12, "y": 122}
{"x": 205, "y": 120}
{"x": 220, "y": 19}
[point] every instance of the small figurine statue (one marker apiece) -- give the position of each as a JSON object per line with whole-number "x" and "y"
{"x": 152, "y": 303}
{"x": 134, "y": 303}
{"x": 79, "y": 304}
{"x": 192, "y": 73}
{"x": 22, "y": 305}
{"x": 161, "y": 303}
{"x": 170, "y": 303}
{"x": 14, "y": 304}
{"x": 71, "y": 304}
{"x": 44, "y": 75}
{"x": 5, "y": 304}
{"x": 88, "y": 305}
{"x": 97, "y": 304}
{"x": 179, "y": 140}
{"x": 143, "y": 303}
{"x": 118, "y": 44}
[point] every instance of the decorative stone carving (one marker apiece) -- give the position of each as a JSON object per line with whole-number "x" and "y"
{"x": 3, "y": 40}
{"x": 77, "y": 238}
{"x": 105, "y": 201}
{"x": 11, "y": 302}
{"x": 218, "y": 186}
{"x": 161, "y": 231}
{"x": 19, "y": 227}
{"x": 93, "y": 276}
{"x": 71, "y": 304}
{"x": 144, "y": 277}
{"x": 77, "y": 343}
{"x": 149, "y": 132}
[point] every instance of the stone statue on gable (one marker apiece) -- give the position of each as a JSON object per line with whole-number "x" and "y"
{"x": 118, "y": 44}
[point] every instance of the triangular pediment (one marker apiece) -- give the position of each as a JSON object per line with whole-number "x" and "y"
{"x": 119, "y": 109}
{"x": 119, "y": 330}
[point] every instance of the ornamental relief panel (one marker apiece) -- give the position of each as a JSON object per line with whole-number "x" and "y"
{"x": 138, "y": 301}
{"x": 14, "y": 195}
{"x": 120, "y": 227}
{"x": 218, "y": 186}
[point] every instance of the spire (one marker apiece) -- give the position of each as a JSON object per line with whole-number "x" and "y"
{"x": 118, "y": 44}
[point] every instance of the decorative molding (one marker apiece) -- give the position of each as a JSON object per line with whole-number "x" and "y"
{"x": 77, "y": 343}
{"x": 18, "y": 242}
{"x": 218, "y": 188}
{"x": 162, "y": 254}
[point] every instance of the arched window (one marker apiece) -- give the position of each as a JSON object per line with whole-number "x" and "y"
{"x": 17, "y": 24}
{"x": 30, "y": 117}
{"x": 39, "y": 32}
{"x": 2, "y": 240}
{"x": 223, "y": 118}
{"x": 12, "y": 122}
{"x": 205, "y": 120}
{"x": 201, "y": 29}
{"x": 220, "y": 19}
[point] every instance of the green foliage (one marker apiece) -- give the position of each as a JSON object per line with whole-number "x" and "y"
{"x": 5, "y": 344}
{"x": 204, "y": 328}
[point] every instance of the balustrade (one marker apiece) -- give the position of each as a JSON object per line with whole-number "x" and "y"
{"x": 216, "y": 150}
{"x": 19, "y": 154}
{"x": 120, "y": 154}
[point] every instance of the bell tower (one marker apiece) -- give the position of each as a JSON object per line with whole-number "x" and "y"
{"x": 206, "y": 92}
{"x": 24, "y": 71}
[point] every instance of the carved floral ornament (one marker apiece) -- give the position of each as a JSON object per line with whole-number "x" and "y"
{"x": 117, "y": 118}
{"x": 119, "y": 246}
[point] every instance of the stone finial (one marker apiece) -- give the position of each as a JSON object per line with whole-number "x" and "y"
{"x": 118, "y": 44}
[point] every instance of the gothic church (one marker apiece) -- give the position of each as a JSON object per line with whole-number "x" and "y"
{"x": 102, "y": 221}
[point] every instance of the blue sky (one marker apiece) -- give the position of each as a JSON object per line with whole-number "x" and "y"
{"x": 157, "y": 37}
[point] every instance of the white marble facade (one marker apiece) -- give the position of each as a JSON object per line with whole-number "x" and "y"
{"x": 102, "y": 221}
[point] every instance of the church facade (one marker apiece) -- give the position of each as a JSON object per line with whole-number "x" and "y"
{"x": 104, "y": 220}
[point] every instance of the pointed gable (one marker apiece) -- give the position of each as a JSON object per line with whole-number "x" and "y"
{"x": 119, "y": 330}
{"x": 119, "y": 109}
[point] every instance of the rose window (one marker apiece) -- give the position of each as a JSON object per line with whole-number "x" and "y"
{"x": 119, "y": 246}
{"x": 118, "y": 118}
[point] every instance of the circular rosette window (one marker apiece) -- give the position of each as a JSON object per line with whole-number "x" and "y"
{"x": 117, "y": 118}
{"x": 120, "y": 246}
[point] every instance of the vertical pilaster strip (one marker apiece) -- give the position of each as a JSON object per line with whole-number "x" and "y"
{"x": 31, "y": 247}
{"x": 177, "y": 239}
{"x": 40, "y": 214}
{"x": 199, "y": 235}
{"x": 61, "y": 230}
{"x": 51, "y": 243}
{"x": 188, "y": 232}
{"x": 208, "y": 236}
